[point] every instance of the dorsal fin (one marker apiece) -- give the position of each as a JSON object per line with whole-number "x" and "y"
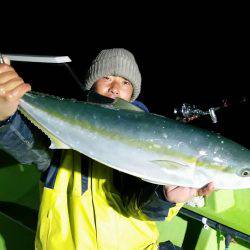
{"x": 122, "y": 104}
{"x": 118, "y": 103}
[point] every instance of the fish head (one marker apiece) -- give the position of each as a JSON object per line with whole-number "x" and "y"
{"x": 241, "y": 177}
{"x": 232, "y": 170}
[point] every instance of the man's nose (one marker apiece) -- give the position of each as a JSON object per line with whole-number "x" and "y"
{"x": 114, "y": 88}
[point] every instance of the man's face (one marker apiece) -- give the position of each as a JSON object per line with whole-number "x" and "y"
{"x": 114, "y": 86}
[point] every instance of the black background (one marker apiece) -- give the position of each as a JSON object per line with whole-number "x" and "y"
{"x": 201, "y": 64}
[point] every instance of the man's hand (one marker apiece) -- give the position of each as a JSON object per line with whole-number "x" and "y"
{"x": 177, "y": 194}
{"x": 12, "y": 88}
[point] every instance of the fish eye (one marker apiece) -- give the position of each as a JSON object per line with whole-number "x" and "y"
{"x": 245, "y": 172}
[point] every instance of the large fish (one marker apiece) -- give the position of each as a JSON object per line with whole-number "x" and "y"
{"x": 146, "y": 145}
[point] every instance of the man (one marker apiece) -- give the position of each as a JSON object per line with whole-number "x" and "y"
{"x": 86, "y": 205}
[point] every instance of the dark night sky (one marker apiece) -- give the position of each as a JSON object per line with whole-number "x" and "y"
{"x": 200, "y": 68}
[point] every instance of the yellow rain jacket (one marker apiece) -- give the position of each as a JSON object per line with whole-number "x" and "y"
{"x": 81, "y": 208}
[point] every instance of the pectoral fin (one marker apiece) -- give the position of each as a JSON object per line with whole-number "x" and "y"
{"x": 170, "y": 164}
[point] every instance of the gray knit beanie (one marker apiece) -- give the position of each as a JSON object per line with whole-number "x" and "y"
{"x": 115, "y": 62}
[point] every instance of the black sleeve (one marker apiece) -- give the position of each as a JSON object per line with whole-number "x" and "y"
{"x": 140, "y": 196}
{"x": 24, "y": 142}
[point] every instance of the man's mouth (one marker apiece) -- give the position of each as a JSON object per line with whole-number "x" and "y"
{"x": 112, "y": 96}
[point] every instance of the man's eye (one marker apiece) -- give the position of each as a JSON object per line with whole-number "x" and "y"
{"x": 126, "y": 83}
{"x": 106, "y": 77}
